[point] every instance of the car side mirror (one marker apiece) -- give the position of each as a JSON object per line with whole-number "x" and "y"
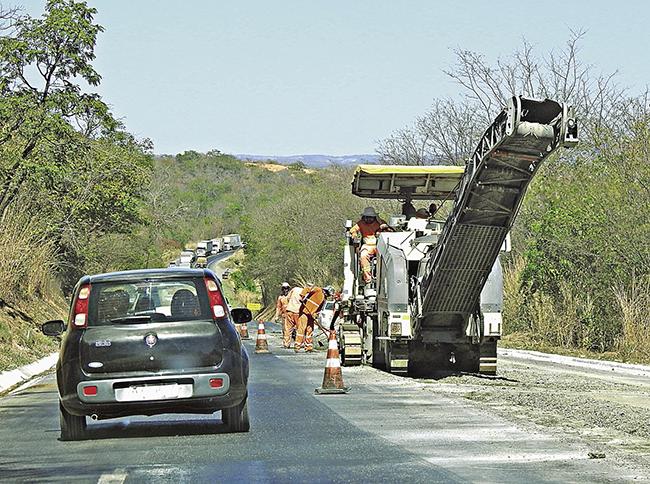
{"x": 241, "y": 315}
{"x": 53, "y": 328}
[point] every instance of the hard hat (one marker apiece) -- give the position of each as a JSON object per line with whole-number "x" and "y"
{"x": 369, "y": 212}
{"x": 328, "y": 289}
{"x": 285, "y": 284}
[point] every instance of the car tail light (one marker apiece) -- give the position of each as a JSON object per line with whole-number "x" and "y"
{"x": 90, "y": 391}
{"x": 216, "y": 382}
{"x": 217, "y": 304}
{"x": 80, "y": 315}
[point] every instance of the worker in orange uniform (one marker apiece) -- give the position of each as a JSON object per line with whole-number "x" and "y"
{"x": 281, "y": 308}
{"x": 366, "y": 229}
{"x": 312, "y": 301}
{"x": 291, "y": 315}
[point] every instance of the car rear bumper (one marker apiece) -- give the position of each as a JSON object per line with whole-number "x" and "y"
{"x": 187, "y": 386}
{"x": 195, "y": 395}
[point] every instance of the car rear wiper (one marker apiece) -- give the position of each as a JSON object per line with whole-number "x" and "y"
{"x": 140, "y": 318}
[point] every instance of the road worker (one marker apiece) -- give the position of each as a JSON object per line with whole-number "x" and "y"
{"x": 281, "y": 309}
{"x": 291, "y": 315}
{"x": 367, "y": 229}
{"x": 408, "y": 210}
{"x": 312, "y": 300}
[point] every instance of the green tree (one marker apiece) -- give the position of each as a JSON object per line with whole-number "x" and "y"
{"x": 42, "y": 62}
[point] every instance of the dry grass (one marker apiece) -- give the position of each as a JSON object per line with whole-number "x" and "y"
{"x": 27, "y": 260}
{"x": 634, "y": 301}
{"x": 561, "y": 320}
{"x": 514, "y": 297}
{"x": 269, "y": 166}
{"x": 29, "y": 293}
{"x": 21, "y": 340}
{"x": 566, "y": 322}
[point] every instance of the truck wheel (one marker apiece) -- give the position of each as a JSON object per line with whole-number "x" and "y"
{"x": 73, "y": 427}
{"x": 236, "y": 418}
{"x": 488, "y": 359}
{"x": 467, "y": 358}
{"x": 397, "y": 358}
{"x": 378, "y": 353}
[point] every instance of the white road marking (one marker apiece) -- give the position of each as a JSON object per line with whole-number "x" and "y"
{"x": 503, "y": 458}
{"x": 118, "y": 476}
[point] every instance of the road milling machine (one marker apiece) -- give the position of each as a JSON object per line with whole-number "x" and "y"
{"x": 437, "y": 292}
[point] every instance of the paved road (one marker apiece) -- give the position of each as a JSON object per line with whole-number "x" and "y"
{"x": 388, "y": 429}
{"x": 214, "y": 261}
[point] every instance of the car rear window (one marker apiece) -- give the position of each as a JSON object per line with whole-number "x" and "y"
{"x": 160, "y": 300}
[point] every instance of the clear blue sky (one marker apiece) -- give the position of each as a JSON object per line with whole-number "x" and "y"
{"x": 333, "y": 77}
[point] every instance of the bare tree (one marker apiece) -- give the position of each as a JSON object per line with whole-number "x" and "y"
{"x": 447, "y": 132}
{"x": 404, "y": 147}
{"x": 8, "y": 16}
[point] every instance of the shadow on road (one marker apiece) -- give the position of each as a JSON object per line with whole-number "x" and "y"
{"x": 441, "y": 375}
{"x": 127, "y": 428}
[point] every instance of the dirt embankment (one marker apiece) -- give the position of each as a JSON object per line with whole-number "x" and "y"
{"x": 21, "y": 340}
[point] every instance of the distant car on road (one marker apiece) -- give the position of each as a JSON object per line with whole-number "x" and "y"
{"x": 150, "y": 342}
{"x": 172, "y": 263}
{"x": 201, "y": 262}
{"x": 226, "y": 274}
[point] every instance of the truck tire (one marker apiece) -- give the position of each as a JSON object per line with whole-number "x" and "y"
{"x": 488, "y": 358}
{"x": 73, "y": 427}
{"x": 378, "y": 352}
{"x": 467, "y": 358}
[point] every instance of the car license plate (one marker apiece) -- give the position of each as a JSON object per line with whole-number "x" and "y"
{"x": 136, "y": 393}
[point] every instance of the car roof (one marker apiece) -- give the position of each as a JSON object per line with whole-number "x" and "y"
{"x": 141, "y": 274}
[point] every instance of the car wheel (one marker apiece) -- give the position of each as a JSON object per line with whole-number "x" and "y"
{"x": 236, "y": 418}
{"x": 73, "y": 427}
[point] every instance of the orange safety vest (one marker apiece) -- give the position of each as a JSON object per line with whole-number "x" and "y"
{"x": 367, "y": 231}
{"x": 293, "y": 300}
{"x": 313, "y": 300}
{"x": 281, "y": 305}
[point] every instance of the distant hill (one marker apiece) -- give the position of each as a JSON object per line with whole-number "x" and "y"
{"x": 313, "y": 161}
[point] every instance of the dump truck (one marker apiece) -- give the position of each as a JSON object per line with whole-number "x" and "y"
{"x": 435, "y": 300}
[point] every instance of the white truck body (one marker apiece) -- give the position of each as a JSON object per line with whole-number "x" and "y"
{"x": 235, "y": 241}
{"x": 204, "y": 248}
{"x": 186, "y": 259}
{"x": 201, "y": 249}
{"x": 231, "y": 242}
{"x": 217, "y": 245}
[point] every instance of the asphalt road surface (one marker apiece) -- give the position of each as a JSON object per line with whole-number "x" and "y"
{"x": 214, "y": 261}
{"x": 387, "y": 429}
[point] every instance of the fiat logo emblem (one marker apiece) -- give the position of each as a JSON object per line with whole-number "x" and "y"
{"x": 151, "y": 340}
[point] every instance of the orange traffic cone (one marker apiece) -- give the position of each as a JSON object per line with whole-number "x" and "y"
{"x": 333, "y": 378}
{"x": 243, "y": 331}
{"x": 261, "y": 345}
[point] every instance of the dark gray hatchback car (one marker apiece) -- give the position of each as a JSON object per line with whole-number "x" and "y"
{"x": 149, "y": 342}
